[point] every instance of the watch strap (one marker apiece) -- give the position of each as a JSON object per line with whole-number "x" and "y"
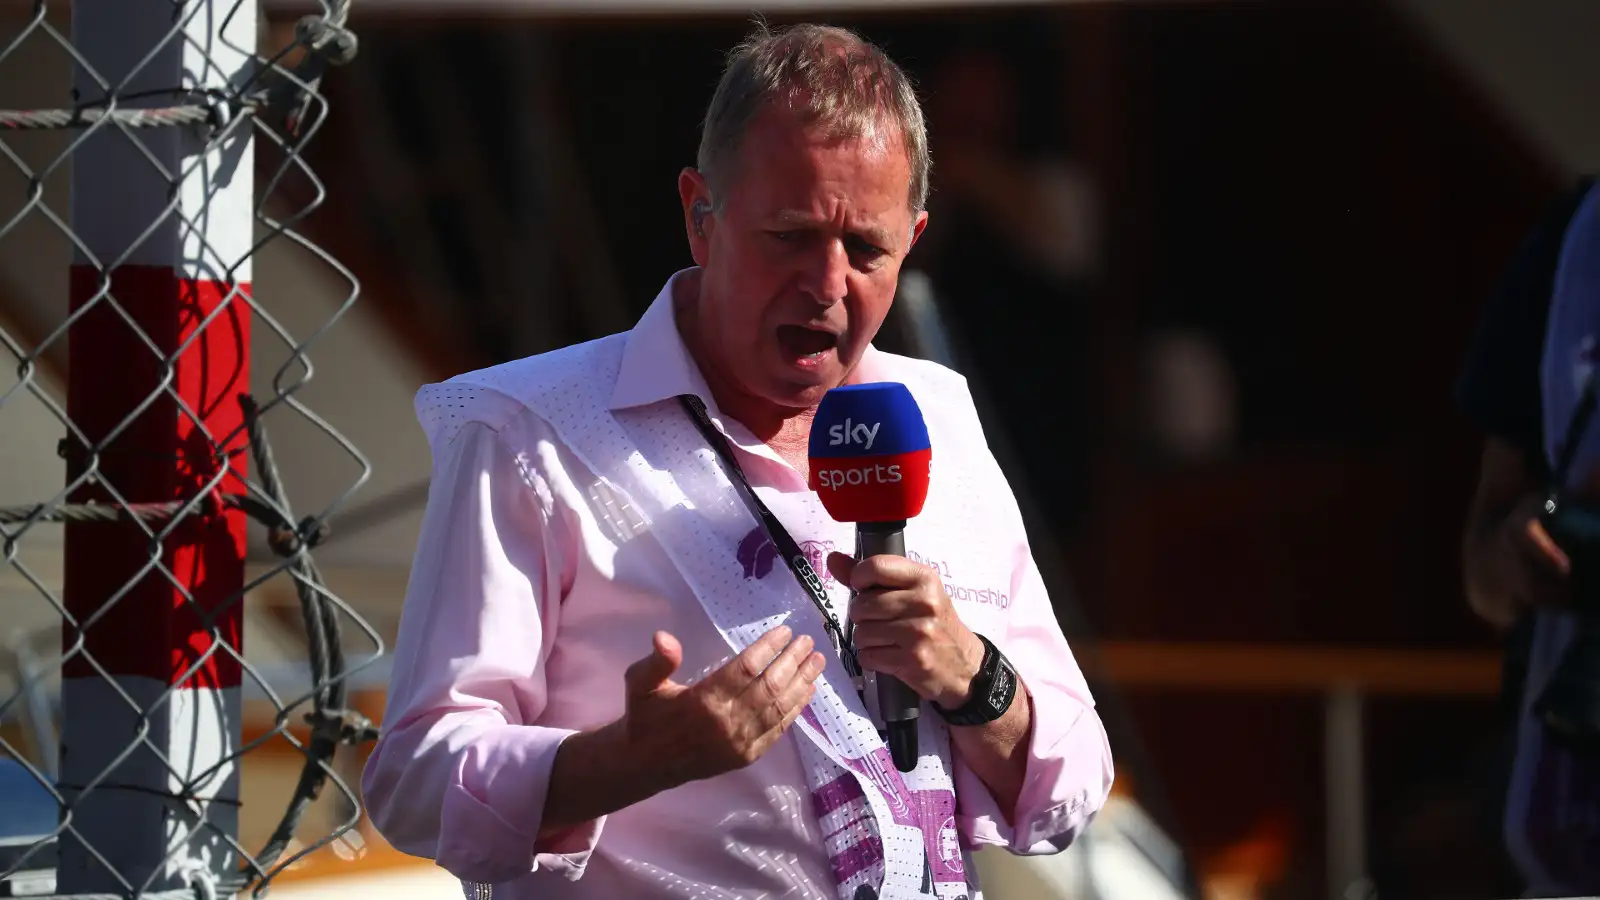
{"x": 991, "y": 692}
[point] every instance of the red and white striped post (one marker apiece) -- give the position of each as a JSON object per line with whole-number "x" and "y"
{"x": 144, "y": 815}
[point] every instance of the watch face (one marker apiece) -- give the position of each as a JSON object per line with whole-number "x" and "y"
{"x": 1001, "y": 687}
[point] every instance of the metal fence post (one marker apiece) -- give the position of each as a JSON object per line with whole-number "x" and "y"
{"x": 159, "y": 358}
{"x": 1344, "y": 759}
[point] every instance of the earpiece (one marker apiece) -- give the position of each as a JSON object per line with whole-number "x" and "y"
{"x": 698, "y": 213}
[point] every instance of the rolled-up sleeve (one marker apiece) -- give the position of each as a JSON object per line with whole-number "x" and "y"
{"x": 461, "y": 769}
{"x": 1068, "y": 771}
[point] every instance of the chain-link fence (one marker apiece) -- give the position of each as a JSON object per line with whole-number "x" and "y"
{"x": 126, "y": 700}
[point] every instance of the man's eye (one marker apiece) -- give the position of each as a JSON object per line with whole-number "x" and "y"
{"x": 863, "y": 250}
{"x": 785, "y": 237}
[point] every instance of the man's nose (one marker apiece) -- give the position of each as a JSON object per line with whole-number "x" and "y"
{"x": 826, "y": 278}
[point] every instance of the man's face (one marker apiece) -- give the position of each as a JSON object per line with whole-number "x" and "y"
{"x": 801, "y": 261}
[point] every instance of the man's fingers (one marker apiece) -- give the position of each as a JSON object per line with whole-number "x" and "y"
{"x": 887, "y": 606}
{"x": 887, "y": 573}
{"x": 764, "y": 742}
{"x": 782, "y": 670}
{"x": 888, "y": 660}
{"x": 893, "y": 633}
{"x": 1542, "y": 569}
{"x": 809, "y": 669}
{"x": 753, "y": 659}
{"x": 649, "y": 673}
{"x": 737, "y": 674}
{"x": 1536, "y": 542}
{"x": 803, "y": 692}
{"x": 1530, "y": 540}
{"x": 840, "y": 566}
{"x": 792, "y": 695}
{"x": 1531, "y": 565}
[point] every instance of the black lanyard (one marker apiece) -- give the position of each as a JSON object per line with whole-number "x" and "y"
{"x": 803, "y": 573}
{"x": 787, "y": 547}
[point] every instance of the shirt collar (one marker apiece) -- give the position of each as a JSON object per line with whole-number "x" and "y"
{"x": 656, "y": 364}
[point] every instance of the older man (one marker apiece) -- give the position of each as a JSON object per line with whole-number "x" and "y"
{"x": 609, "y": 683}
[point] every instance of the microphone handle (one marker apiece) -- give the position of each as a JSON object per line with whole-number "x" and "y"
{"x": 899, "y": 705}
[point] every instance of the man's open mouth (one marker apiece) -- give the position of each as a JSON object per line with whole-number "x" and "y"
{"x": 800, "y": 342}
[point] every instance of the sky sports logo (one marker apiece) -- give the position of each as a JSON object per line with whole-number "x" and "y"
{"x": 877, "y": 488}
{"x": 869, "y": 453}
{"x": 848, "y": 433}
{"x": 858, "y": 476}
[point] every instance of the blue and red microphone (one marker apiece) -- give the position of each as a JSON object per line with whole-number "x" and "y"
{"x": 869, "y": 460}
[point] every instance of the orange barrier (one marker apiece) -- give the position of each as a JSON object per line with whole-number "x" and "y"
{"x": 1280, "y": 668}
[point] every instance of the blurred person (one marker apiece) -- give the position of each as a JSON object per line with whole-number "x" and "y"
{"x": 1041, "y": 204}
{"x": 601, "y": 691}
{"x": 1509, "y": 562}
{"x": 1521, "y": 387}
{"x": 1012, "y": 262}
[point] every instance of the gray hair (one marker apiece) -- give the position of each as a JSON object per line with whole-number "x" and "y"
{"x": 832, "y": 78}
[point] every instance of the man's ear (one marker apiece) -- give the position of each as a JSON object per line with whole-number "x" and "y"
{"x": 698, "y": 220}
{"x": 916, "y": 228}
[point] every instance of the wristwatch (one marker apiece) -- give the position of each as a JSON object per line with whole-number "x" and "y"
{"x": 992, "y": 690}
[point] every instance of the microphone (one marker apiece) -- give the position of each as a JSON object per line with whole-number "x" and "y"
{"x": 869, "y": 459}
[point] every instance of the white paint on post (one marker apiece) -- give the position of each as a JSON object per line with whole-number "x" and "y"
{"x": 123, "y": 179}
{"x": 218, "y": 197}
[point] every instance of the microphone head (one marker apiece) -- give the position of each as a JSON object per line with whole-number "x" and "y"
{"x": 869, "y": 453}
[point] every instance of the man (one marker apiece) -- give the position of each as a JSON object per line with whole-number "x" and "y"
{"x": 1519, "y": 388}
{"x": 606, "y": 683}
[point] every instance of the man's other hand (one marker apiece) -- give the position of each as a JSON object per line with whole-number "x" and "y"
{"x": 724, "y": 722}
{"x": 906, "y": 626}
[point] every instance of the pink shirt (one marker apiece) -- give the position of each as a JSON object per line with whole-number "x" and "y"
{"x": 533, "y": 588}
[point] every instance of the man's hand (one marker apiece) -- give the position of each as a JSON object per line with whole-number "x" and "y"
{"x": 726, "y": 721}
{"x": 1537, "y": 569}
{"x": 673, "y": 734}
{"x": 1517, "y": 565}
{"x": 1510, "y": 563}
{"x": 905, "y": 626}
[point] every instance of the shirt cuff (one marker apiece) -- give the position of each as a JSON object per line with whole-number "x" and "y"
{"x": 490, "y": 820}
{"x": 1066, "y": 781}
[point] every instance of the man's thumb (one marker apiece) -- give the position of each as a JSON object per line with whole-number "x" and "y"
{"x": 649, "y": 673}
{"x": 840, "y": 566}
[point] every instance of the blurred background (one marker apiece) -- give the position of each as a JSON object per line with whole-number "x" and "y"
{"x": 1212, "y": 266}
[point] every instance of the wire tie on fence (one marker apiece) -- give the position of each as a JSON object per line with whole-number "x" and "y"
{"x": 286, "y": 540}
{"x": 202, "y": 881}
{"x": 340, "y": 726}
{"x": 326, "y": 44}
{"x": 333, "y": 43}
